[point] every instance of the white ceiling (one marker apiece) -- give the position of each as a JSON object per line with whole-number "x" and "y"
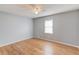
{"x": 48, "y": 9}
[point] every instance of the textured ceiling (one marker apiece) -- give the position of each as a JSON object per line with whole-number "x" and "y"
{"x": 48, "y": 9}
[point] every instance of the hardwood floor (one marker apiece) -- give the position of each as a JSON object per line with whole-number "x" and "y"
{"x": 38, "y": 47}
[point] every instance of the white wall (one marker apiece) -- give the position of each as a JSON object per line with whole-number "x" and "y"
{"x": 65, "y": 27}
{"x": 14, "y": 28}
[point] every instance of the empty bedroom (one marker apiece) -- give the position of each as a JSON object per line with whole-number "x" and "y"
{"x": 39, "y": 29}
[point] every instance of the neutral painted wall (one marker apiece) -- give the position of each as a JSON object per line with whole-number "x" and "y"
{"x": 65, "y": 27}
{"x": 14, "y": 28}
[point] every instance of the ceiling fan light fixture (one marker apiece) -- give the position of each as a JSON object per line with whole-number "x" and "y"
{"x": 36, "y": 12}
{"x": 35, "y": 8}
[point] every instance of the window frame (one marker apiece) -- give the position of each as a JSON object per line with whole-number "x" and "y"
{"x": 50, "y": 26}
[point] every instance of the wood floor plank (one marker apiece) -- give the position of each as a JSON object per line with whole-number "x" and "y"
{"x": 38, "y": 47}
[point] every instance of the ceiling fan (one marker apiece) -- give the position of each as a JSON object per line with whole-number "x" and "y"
{"x": 36, "y": 8}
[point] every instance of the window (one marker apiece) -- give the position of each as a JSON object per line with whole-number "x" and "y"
{"x": 48, "y": 26}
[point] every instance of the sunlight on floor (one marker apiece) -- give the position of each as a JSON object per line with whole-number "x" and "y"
{"x": 48, "y": 50}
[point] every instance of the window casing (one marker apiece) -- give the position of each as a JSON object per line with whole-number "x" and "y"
{"x": 48, "y": 26}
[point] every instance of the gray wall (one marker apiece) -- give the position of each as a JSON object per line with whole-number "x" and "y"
{"x": 14, "y": 28}
{"x": 65, "y": 27}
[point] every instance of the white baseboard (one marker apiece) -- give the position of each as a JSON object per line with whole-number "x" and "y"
{"x": 61, "y": 43}
{"x": 39, "y": 38}
{"x": 15, "y": 41}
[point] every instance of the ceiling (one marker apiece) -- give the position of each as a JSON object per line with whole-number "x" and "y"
{"x": 48, "y": 9}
